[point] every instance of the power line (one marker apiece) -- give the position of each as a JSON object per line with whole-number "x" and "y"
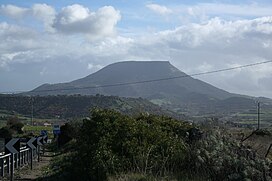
{"x": 155, "y": 80}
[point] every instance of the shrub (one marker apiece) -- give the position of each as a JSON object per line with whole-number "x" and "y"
{"x": 220, "y": 158}
{"x": 14, "y": 124}
{"x": 110, "y": 143}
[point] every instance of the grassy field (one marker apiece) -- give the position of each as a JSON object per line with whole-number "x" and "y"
{"x": 36, "y": 130}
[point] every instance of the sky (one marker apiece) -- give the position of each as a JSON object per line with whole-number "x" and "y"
{"x": 60, "y": 41}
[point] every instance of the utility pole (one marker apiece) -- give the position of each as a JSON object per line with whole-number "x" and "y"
{"x": 258, "y": 109}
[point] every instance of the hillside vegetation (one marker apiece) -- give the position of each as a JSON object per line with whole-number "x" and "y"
{"x": 111, "y": 146}
{"x": 72, "y": 106}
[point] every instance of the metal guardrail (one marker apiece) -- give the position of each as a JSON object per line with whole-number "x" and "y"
{"x": 9, "y": 162}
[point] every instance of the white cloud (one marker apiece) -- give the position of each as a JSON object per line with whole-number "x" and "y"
{"x": 203, "y": 12}
{"x": 13, "y": 11}
{"x": 230, "y": 9}
{"x": 162, "y": 10}
{"x": 93, "y": 67}
{"x": 79, "y": 19}
{"x": 218, "y": 32}
{"x": 70, "y": 20}
{"x": 17, "y": 38}
{"x": 73, "y": 13}
{"x": 205, "y": 67}
{"x": 44, "y": 13}
{"x": 109, "y": 46}
{"x": 6, "y": 58}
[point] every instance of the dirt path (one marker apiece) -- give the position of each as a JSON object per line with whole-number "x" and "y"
{"x": 38, "y": 170}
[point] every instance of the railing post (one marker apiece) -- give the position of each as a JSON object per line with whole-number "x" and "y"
{"x": 15, "y": 160}
{"x": 12, "y": 167}
{"x": 31, "y": 158}
{"x": 26, "y": 153}
{"x": 2, "y": 167}
{"x": 38, "y": 152}
{"x": 27, "y": 156}
{"x": 19, "y": 159}
{"x": 23, "y": 159}
{"x": 8, "y": 164}
{"x": 35, "y": 153}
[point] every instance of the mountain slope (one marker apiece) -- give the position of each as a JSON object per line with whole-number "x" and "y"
{"x": 181, "y": 89}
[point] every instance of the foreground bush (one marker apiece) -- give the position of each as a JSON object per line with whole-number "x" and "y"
{"x": 110, "y": 145}
{"x": 114, "y": 143}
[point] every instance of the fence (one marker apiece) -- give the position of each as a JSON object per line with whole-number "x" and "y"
{"x": 10, "y": 162}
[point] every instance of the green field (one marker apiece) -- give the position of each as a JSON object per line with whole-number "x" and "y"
{"x": 36, "y": 130}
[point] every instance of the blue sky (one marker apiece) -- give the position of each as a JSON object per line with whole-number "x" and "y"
{"x": 59, "y": 41}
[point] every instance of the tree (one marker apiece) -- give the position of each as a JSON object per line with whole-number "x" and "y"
{"x": 15, "y": 124}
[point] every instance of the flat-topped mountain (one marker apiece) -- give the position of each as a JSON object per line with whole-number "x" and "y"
{"x": 132, "y": 72}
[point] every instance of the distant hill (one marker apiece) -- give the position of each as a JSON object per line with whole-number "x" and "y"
{"x": 184, "y": 89}
{"x": 72, "y": 106}
{"x": 184, "y": 95}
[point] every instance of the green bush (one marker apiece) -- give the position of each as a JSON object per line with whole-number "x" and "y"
{"x": 110, "y": 143}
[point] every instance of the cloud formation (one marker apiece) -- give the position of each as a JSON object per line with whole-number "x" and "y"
{"x": 13, "y": 11}
{"x": 41, "y": 12}
{"x": 162, "y": 10}
{"x": 79, "y": 19}
{"x": 218, "y": 31}
{"x": 229, "y": 9}
{"x": 44, "y": 13}
{"x": 70, "y": 20}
